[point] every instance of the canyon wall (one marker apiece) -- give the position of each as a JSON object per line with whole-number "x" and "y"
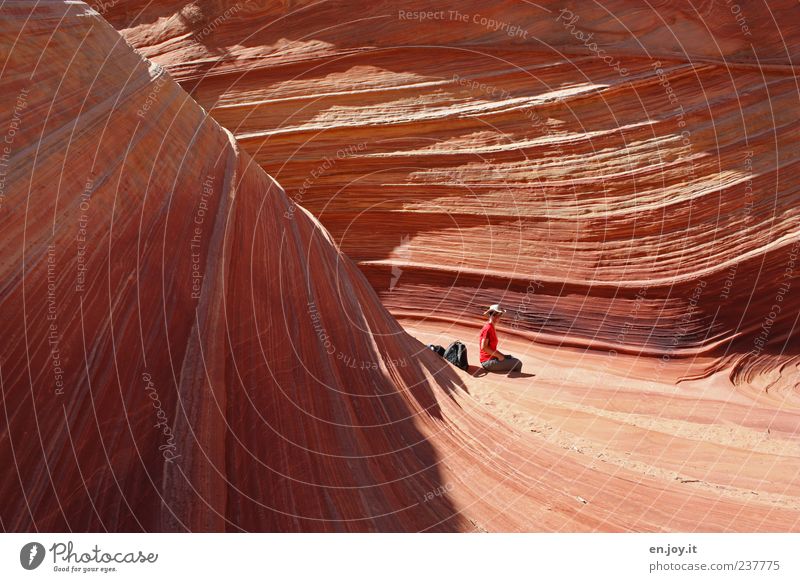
{"x": 186, "y": 347}
{"x": 620, "y": 175}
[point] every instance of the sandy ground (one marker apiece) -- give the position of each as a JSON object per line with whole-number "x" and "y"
{"x": 628, "y": 412}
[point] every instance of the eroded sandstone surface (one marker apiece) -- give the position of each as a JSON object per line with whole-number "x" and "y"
{"x": 229, "y": 230}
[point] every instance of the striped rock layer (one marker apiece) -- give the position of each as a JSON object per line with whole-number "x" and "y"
{"x": 193, "y": 343}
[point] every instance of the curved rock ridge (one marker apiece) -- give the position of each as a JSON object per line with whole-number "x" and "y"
{"x": 620, "y": 175}
{"x": 184, "y": 349}
{"x": 187, "y": 349}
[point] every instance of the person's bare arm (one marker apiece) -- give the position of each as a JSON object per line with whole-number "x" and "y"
{"x": 485, "y": 347}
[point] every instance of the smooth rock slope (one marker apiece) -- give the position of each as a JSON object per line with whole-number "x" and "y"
{"x": 186, "y": 347}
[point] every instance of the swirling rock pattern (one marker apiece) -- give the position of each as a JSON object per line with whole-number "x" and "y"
{"x": 581, "y": 163}
{"x": 187, "y": 348}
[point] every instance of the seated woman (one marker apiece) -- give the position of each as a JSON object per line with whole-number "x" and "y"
{"x": 491, "y": 359}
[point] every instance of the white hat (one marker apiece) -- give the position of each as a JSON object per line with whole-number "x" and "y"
{"x": 494, "y": 308}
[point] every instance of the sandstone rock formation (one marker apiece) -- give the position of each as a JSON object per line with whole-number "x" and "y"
{"x": 591, "y": 166}
{"x": 187, "y": 348}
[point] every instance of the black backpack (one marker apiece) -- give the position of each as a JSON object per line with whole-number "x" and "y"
{"x": 438, "y": 349}
{"x": 456, "y": 354}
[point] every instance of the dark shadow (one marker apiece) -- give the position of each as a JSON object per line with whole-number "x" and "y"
{"x": 477, "y": 371}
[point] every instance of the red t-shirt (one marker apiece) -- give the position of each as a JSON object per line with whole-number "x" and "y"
{"x": 488, "y": 330}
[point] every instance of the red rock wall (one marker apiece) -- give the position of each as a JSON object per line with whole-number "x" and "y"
{"x": 620, "y": 175}
{"x": 275, "y": 392}
{"x": 163, "y": 367}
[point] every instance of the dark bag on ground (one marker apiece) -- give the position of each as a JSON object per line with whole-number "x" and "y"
{"x": 438, "y": 349}
{"x": 456, "y": 354}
